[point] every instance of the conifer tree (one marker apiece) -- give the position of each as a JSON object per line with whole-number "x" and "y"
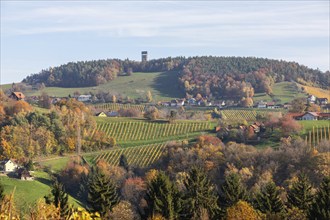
{"x": 320, "y": 208}
{"x": 232, "y": 190}
{"x": 102, "y": 193}
{"x": 300, "y": 195}
{"x": 268, "y": 200}
{"x": 2, "y": 195}
{"x": 123, "y": 162}
{"x": 163, "y": 197}
{"x": 200, "y": 195}
{"x": 59, "y": 198}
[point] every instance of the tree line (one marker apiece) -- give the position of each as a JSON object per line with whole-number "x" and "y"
{"x": 219, "y": 77}
{"x": 28, "y": 133}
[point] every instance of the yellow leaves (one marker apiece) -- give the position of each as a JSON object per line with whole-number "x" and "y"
{"x": 151, "y": 175}
{"x": 242, "y": 210}
{"x": 318, "y": 92}
{"x": 44, "y": 211}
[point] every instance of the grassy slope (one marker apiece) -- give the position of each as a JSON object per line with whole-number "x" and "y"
{"x": 163, "y": 86}
{"x": 283, "y": 91}
{"x": 308, "y": 125}
{"x": 28, "y": 192}
{"x": 318, "y": 92}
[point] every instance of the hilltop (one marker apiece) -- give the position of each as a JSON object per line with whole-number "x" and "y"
{"x": 234, "y": 78}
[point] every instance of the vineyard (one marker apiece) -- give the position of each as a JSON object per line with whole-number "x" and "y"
{"x": 241, "y": 115}
{"x": 317, "y": 134}
{"x": 141, "y": 130}
{"x": 141, "y": 156}
{"x": 318, "y": 92}
{"x": 117, "y": 106}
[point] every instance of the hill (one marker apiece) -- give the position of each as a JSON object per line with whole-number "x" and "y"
{"x": 218, "y": 77}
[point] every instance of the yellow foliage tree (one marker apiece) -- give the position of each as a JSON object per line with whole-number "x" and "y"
{"x": 7, "y": 208}
{"x": 242, "y": 211}
{"x": 43, "y": 211}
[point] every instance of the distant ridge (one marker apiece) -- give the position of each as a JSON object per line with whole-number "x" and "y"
{"x": 236, "y": 77}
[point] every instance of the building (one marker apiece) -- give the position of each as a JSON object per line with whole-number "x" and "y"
{"x": 8, "y": 166}
{"x": 17, "y": 96}
{"x": 310, "y": 116}
{"x": 322, "y": 101}
{"x": 144, "y": 56}
{"x": 84, "y": 98}
{"x": 101, "y": 114}
{"x": 262, "y": 104}
{"x": 311, "y": 99}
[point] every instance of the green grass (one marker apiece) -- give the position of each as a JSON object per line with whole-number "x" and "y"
{"x": 283, "y": 92}
{"x": 28, "y": 192}
{"x": 56, "y": 164}
{"x": 163, "y": 86}
{"x": 308, "y": 125}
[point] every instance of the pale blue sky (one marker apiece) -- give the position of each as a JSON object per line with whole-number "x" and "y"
{"x": 36, "y": 35}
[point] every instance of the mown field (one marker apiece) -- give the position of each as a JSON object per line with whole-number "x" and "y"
{"x": 163, "y": 86}
{"x": 283, "y": 92}
{"x": 28, "y": 192}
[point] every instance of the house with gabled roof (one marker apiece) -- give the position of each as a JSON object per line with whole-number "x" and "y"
{"x": 310, "y": 116}
{"x": 8, "y": 165}
{"x": 17, "y": 96}
{"x": 101, "y": 114}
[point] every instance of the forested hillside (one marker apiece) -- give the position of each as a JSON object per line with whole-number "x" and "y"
{"x": 219, "y": 77}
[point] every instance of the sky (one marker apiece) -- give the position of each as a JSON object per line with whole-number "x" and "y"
{"x": 36, "y": 35}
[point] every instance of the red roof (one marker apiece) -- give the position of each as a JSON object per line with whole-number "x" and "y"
{"x": 19, "y": 95}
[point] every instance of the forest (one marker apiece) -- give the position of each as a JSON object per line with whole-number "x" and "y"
{"x": 205, "y": 178}
{"x": 233, "y": 78}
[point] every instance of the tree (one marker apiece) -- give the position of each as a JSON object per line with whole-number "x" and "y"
{"x": 59, "y": 198}
{"x": 298, "y": 105}
{"x": 102, "y": 193}
{"x": 242, "y": 210}
{"x": 43, "y": 210}
{"x": 123, "y": 162}
{"x": 123, "y": 211}
{"x": 2, "y": 195}
{"x": 268, "y": 200}
{"x": 44, "y": 100}
{"x": 172, "y": 116}
{"x": 232, "y": 190}
{"x": 151, "y": 113}
{"x": 113, "y": 99}
{"x": 320, "y": 207}
{"x": 149, "y": 97}
{"x": 300, "y": 195}
{"x": 200, "y": 198}
{"x": 162, "y": 197}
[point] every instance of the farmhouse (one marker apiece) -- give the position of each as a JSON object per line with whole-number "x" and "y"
{"x": 311, "y": 99}
{"x": 24, "y": 174}
{"x": 310, "y": 116}
{"x": 262, "y": 104}
{"x": 8, "y": 166}
{"x": 101, "y": 114}
{"x": 84, "y": 98}
{"x": 322, "y": 101}
{"x": 17, "y": 96}
{"x": 113, "y": 114}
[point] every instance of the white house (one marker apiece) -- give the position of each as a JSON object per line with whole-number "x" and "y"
{"x": 262, "y": 104}
{"x": 84, "y": 98}
{"x": 311, "y": 99}
{"x": 8, "y": 166}
{"x": 310, "y": 116}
